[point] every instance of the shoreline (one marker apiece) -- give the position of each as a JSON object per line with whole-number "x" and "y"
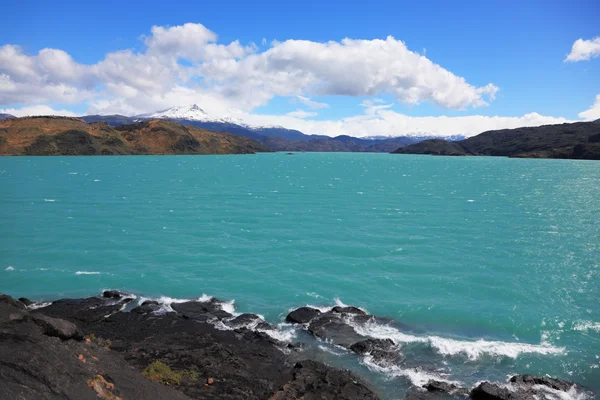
{"x": 242, "y": 353}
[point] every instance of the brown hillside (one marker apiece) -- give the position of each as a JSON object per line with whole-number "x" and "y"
{"x": 73, "y": 136}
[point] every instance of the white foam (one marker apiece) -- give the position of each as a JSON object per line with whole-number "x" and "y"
{"x": 284, "y": 332}
{"x": 416, "y": 376}
{"x": 228, "y": 306}
{"x": 87, "y": 273}
{"x": 449, "y": 347}
{"x": 553, "y": 394}
{"x": 72, "y": 173}
{"x": 35, "y": 306}
{"x": 586, "y": 325}
{"x": 96, "y": 180}
{"x": 50, "y": 200}
{"x": 9, "y": 268}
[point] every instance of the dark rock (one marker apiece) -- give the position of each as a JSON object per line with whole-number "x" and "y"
{"x": 348, "y": 310}
{"x": 55, "y": 327}
{"x": 11, "y": 309}
{"x": 553, "y": 383}
{"x": 415, "y": 393}
{"x": 491, "y": 391}
{"x": 246, "y": 320}
{"x": 369, "y": 345}
{"x": 202, "y": 311}
{"x": 112, "y": 294}
{"x": 332, "y": 328}
{"x": 25, "y": 301}
{"x": 302, "y": 315}
{"x": 147, "y": 307}
{"x": 81, "y": 311}
{"x": 312, "y": 380}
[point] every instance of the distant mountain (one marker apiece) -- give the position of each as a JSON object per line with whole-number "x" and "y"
{"x": 580, "y": 140}
{"x": 6, "y": 116}
{"x": 112, "y": 120}
{"x": 275, "y": 137}
{"x": 73, "y": 136}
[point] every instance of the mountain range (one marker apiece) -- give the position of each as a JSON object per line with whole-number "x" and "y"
{"x": 73, "y": 136}
{"x": 579, "y": 140}
{"x": 276, "y": 138}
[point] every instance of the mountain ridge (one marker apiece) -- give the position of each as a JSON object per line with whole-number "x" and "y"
{"x": 74, "y": 136}
{"x": 578, "y": 140}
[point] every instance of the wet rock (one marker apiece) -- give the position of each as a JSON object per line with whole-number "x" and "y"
{"x": 147, "y": 307}
{"x": 314, "y": 380}
{"x": 445, "y": 387}
{"x": 332, "y": 328}
{"x": 530, "y": 380}
{"x": 112, "y": 294}
{"x": 348, "y": 310}
{"x": 247, "y": 320}
{"x": 302, "y": 315}
{"x": 81, "y": 311}
{"x": 491, "y": 391}
{"x": 55, "y": 327}
{"x": 25, "y": 301}
{"x": 415, "y": 393}
{"x": 202, "y": 311}
{"x": 369, "y": 345}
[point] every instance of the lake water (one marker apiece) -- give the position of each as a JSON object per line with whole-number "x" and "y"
{"x": 492, "y": 265}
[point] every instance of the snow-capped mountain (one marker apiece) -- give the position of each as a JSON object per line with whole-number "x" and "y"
{"x": 191, "y": 113}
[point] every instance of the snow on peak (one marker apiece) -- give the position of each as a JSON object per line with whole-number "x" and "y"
{"x": 191, "y": 113}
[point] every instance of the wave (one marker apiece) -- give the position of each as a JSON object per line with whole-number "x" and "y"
{"x": 586, "y": 325}
{"x": 450, "y": 347}
{"x": 9, "y": 268}
{"x": 416, "y": 376}
{"x": 88, "y": 273}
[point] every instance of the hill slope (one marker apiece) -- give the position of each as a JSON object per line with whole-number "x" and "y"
{"x": 277, "y": 138}
{"x": 580, "y": 140}
{"x": 73, "y": 136}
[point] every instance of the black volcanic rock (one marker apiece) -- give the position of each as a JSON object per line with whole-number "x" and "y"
{"x": 312, "y": 380}
{"x": 553, "y": 383}
{"x": 302, "y": 315}
{"x": 369, "y": 345}
{"x": 56, "y": 327}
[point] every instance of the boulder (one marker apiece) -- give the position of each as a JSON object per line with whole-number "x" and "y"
{"x": 491, "y": 391}
{"x": 348, "y": 310}
{"x": 112, "y": 294}
{"x": 315, "y": 380}
{"x": 202, "y": 311}
{"x": 302, "y": 315}
{"x": 25, "y": 301}
{"x": 553, "y": 383}
{"x": 11, "y": 309}
{"x": 369, "y": 345}
{"x": 56, "y": 327}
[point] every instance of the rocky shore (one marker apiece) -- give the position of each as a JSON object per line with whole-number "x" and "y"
{"x": 113, "y": 347}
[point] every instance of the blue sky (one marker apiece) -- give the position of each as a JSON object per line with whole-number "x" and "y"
{"x": 518, "y": 47}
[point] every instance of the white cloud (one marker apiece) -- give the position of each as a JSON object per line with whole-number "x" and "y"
{"x": 301, "y": 114}
{"x": 239, "y": 75}
{"x": 593, "y": 113}
{"x": 36, "y": 110}
{"x": 233, "y": 79}
{"x": 385, "y": 122}
{"x": 584, "y": 50}
{"x": 311, "y": 103}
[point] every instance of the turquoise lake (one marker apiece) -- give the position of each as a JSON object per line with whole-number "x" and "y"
{"x": 491, "y": 265}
